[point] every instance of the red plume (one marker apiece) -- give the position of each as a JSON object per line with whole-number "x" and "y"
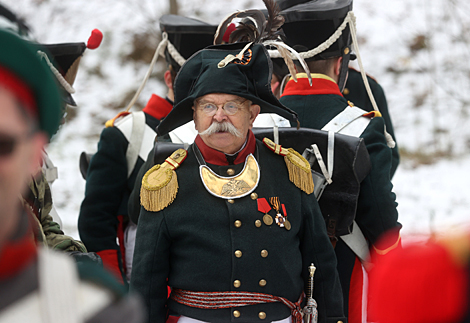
{"x": 227, "y": 33}
{"x": 95, "y": 39}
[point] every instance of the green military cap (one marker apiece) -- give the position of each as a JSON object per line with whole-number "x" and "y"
{"x": 30, "y": 79}
{"x": 212, "y": 71}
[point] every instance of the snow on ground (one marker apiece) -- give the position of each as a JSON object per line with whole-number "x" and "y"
{"x": 415, "y": 49}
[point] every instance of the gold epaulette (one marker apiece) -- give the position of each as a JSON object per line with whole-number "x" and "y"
{"x": 160, "y": 185}
{"x": 297, "y": 166}
{"x": 372, "y": 114}
{"x": 110, "y": 122}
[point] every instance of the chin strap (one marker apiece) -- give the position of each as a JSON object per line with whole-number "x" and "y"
{"x": 160, "y": 51}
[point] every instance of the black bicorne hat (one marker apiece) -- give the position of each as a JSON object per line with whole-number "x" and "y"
{"x": 187, "y": 35}
{"x": 206, "y": 73}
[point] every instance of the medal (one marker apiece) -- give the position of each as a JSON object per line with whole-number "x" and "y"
{"x": 281, "y": 220}
{"x": 286, "y": 223}
{"x": 267, "y": 219}
{"x": 263, "y": 206}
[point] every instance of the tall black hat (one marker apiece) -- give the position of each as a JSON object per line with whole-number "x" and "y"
{"x": 309, "y": 24}
{"x": 187, "y": 36}
{"x": 213, "y": 70}
{"x": 65, "y": 57}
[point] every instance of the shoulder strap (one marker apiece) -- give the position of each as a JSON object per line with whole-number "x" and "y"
{"x": 351, "y": 121}
{"x": 135, "y": 141}
{"x": 140, "y": 137}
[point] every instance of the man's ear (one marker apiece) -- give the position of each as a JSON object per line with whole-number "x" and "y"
{"x": 254, "y": 111}
{"x": 168, "y": 79}
{"x": 337, "y": 66}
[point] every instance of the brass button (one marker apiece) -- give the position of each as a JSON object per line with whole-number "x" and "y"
{"x": 254, "y": 196}
{"x": 238, "y": 223}
{"x": 258, "y": 223}
{"x": 339, "y": 322}
{"x": 262, "y": 283}
{"x": 264, "y": 253}
{"x": 231, "y": 201}
{"x": 346, "y": 52}
{"x": 236, "y": 283}
{"x": 238, "y": 253}
{"x": 230, "y": 172}
{"x": 346, "y": 91}
{"x": 262, "y": 315}
{"x": 236, "y": 313}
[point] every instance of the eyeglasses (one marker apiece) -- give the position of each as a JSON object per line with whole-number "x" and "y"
{"x": 230, "y": 107}
{"x": 9, "y": 143}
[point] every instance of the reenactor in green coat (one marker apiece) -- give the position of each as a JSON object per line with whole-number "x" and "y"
{"x": 231, "y": 224}
{"x": 38, "y": 284}
{"x": 122, "y": 150}
{"x": 355, "y": 92}
{"x": 321, "y": 105}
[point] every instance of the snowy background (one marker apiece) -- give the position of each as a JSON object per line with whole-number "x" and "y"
{"x": 418, "y": 50}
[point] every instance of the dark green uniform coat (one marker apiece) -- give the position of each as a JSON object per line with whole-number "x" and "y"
{"x": 355, "y": 91}
{"x": 376, "y": 210}
{"x": 107, "y": 191}
{"x": 192, "y": 242}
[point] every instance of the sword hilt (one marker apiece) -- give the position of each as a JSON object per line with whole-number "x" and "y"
{"x": 311, "y": 270}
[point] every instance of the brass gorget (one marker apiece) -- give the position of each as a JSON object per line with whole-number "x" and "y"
{"x": 235, "y": 186}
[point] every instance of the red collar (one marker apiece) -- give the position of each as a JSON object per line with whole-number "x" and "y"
{"x": 158, "y": 107}
{"x": 321, "y": 84}
{"x": 215, "y": 157}
{"x": 16, "y": 255}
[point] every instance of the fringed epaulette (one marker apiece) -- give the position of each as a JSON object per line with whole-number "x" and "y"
{"x": 110, "y": 122}
{"x": 297, "y": 166}
{"x": 160, "y": 185}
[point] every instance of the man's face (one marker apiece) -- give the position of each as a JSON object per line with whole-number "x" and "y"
{"x": 20, "y": 155}
{"x": 242, "y": 121}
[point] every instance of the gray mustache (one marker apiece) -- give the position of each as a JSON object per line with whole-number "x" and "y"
{"x": 221, "y": 127}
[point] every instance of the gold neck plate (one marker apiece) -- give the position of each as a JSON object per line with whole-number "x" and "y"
{"x": 235, "y": 186}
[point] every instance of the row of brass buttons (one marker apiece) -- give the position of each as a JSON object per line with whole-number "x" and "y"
{"x": 238, "y": 283}
{"x": 253, "y": 196}
{"x": 261, "y": 315}
{"x": 239, "y": 253}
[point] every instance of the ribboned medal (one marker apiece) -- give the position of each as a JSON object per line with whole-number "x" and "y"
{"x": 281, "y": 220}
{"x": 263, "y": 206}
{"x": 286, "y": 223}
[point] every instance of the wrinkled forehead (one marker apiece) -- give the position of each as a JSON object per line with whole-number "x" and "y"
{"x": 218, "y": 98}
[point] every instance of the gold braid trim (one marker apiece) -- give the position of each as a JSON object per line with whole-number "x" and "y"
{"x": 160, "y": 183}
{"x": 297, "y": 166}
{"x": 299, "y": 171}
